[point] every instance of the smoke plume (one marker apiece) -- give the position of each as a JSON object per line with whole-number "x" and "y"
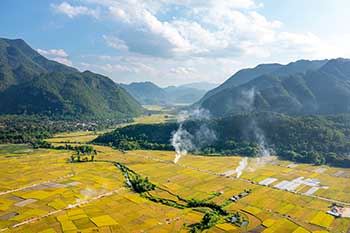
{"x": 242, "y": 165}
{"x": 183, "y": 141}
{"x": 247, "y": 102}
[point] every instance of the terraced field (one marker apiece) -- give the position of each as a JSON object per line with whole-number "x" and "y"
{"x": 41, "y": 192}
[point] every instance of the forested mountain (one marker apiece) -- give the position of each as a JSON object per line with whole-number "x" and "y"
{"x": 245, "y": 75}
{"x": 184, "y": 94}
{"x": 311, "y": 139}
{"x": 32, "y": 84}
{"x": 300, "y": 88}
{"x": 149, "y": 93}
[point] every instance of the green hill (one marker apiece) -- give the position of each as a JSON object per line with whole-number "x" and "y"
{"x": 312, "y": 87}
{"x": 32, "y": 84}
{"x": 149, "y": 93}
{"x": 246, "y": 75}
{"x": 309, "y": 139}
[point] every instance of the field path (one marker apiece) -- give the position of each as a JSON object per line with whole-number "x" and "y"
{"x": 34, "y": 185}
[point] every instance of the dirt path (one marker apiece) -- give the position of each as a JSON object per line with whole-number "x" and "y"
{"x": 34, "y": 185}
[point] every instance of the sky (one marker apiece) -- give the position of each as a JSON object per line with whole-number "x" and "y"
{"x": 172, "y": 42}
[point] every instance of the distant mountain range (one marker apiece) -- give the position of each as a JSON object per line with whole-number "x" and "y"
{"x": 299, "y": 88}
{"x": 206, "y": 86}
{"x": 148, "y": 93}
{"x": 32, "y": 84}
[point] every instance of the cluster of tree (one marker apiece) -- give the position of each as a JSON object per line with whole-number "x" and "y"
{"x": 142, "y": 136}
{"x": 29, "y": 129}
{"x": 83, "y": 153}
{"x": 202, "y": 203}
{"x": 307, "y": 139}
{"x": 238, "y": 219}
{"x": 209, "y": 220}
{"x": 140, "y": 184}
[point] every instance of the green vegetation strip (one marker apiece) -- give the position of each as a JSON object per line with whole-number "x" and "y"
{"x": 213, "y": 212}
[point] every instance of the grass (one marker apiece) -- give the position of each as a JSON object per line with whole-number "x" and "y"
{"x": 15, "y": 149}
{"x": 124, "y": 211}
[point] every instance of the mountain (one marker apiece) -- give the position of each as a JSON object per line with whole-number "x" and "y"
{"x": 148, "y": 93}
{"x": 245, "y": 75}
{"x": 206, "y": 86}
{"x": 303, "y": 87}
{"x": 32, "y": 84}
{"x": 183, "y": 94}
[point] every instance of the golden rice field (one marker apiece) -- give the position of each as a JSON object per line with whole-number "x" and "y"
{"x": 41, "y": 192}
{"x": 153, "y": 118}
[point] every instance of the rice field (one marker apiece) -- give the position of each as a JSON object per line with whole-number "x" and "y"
{"x": 153, "y": 119}
{"x": 41, "y": 192}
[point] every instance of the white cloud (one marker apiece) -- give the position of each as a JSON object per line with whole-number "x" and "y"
{"x": 53, "y": 52}
{"x": 58, "y": 55}
{"x": 115, "y": 42}
{"x": 63, "y": 60}
{"x": 142, "y": 21}
{"x": 159, "y": 70}
{"x": 178, "y": 41}
{"x": 213, "y": 28}
{"x": 182, "y": 70}
{"x": 73, "y": 11}
{"x": 210, "y": 28}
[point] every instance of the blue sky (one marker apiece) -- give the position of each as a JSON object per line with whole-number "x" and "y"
{"x": 178, "y": 41}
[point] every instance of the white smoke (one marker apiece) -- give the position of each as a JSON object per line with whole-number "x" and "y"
{"x": 246, "y": 104}
{"x": 183, "y": 141}
{"x": 204, "y": 136}
{"x": 247, "y": 101}
{"x": 242, "y": 165}
{"x": 264, "y": 149}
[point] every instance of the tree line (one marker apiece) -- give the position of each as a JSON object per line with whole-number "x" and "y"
{"x": 306, "y": 139}
{"x": 31, "y": 128}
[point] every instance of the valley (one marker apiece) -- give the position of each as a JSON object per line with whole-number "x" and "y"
{"x": 157, "y": 116}
{"x": 81, "y": 153}
{"x": 48, "y": 194}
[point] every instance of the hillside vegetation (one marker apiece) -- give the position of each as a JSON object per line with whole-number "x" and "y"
{"x": 309, "y": 139}
{"x": 33, "y": 128}
{"x": 299, "y": 88}
{"x": 148, "y": 93}
{"x": 31, "y": 84}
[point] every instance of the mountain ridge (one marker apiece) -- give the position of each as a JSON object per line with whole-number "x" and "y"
{"x": 32, "y": 84}
{"x": 322, "y": 89}
{"x": 149, "y": 93}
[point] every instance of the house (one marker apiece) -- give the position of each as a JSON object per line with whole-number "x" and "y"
{"x": 335, "y": 211}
